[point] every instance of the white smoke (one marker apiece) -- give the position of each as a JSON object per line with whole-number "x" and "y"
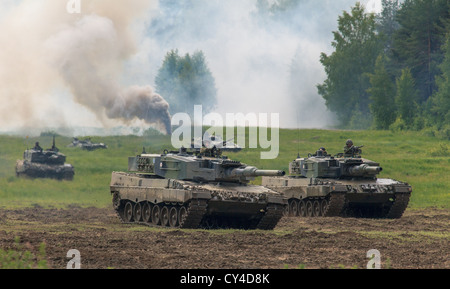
{"x": 61, "y": 69}
{"x": 46, "y": 50}
{"x": 251, "y": 55}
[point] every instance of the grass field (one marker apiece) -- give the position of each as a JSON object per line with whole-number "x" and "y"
{"x": 413, "y": 157}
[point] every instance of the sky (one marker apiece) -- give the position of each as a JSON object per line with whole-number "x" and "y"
{"x": 97, "y": 68}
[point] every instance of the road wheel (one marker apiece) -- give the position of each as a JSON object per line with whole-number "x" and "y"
{"x": 316, "y": 208}
{"x": 324, "y": 206}
{"x": 173, "y": 217}
{"x": 128, "y": 212}
{"x": 165, "y": 216}
{"x": 156, "y": 215}
{"x": 293, "y": 208}
{"x": 309, "y": 209}
{"x": 182, "y": 215}
{"x": 137, "y": 212}
{"x": 146, "y": 212}
{"x": 302, "y": 209}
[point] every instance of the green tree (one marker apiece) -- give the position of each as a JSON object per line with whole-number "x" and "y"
{"x": 382, "y": 95}
{"x": 406, "y": 98}
{"x": 440, "y": 102}
{"x": 387, "y": 22}
{"x": 418, "y": 41}
{"x": 387, "y": 26}
{"x": 185, "y": 82}
{"x": 356, "y": 49}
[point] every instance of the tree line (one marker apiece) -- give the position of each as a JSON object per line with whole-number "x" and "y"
{"x": 185, "y": 81}
{"x": 392, "y": 70}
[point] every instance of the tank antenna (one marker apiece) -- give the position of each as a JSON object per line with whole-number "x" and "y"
{"x": 298, "y": 137}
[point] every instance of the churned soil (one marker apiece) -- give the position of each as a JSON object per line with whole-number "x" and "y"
{"x": 420, "y": 239}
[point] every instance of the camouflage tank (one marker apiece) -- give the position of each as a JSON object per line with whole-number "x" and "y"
{"x": 185, "y": 190}
{"x": 344, "y": 185}
{"x": 87, "y": 144}
{"x": 39, "y": 163}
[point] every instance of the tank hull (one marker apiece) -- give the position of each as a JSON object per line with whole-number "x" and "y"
{"x": 93, "y": 147}
{"x": 151, "y": 200}
{"x": 25, "y": 168}
{"x": 313, "y": 197}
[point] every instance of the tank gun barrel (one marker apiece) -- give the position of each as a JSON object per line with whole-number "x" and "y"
{"x": 364, "y": 170}
{"x": 254, "y": 172}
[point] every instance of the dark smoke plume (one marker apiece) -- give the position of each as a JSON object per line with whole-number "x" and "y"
{"x": 143, "y": 103}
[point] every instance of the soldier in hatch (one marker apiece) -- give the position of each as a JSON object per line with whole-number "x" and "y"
{"x": 321, "y": 152}
{"x": 37, "y": 146}
{"x": 350, "y": 150}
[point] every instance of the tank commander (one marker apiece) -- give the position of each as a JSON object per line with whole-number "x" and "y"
{"x": 350, "y": 149}
{"x": 37, "y": 146}
{"x": 321, "y": 152}
{"x": 213, "y": 152}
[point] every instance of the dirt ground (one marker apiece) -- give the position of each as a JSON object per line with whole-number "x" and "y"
{"x": 420, "y": 239}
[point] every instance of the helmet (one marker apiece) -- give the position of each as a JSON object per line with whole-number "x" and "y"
{"x": 349, "y": 142}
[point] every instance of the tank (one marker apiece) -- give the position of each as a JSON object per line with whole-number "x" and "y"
{"x": 341, "y": 185}
{"x": 182, "y": 189}
{"x": 217, "y": 141}
{"x": 39, "y": 163}
{"x": 87, "y": 144}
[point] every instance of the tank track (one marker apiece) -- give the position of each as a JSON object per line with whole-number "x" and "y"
{"x": 273, "y": 214}
{"x": 194, "y": 217}
{"x": 398, "y": 207}
{"x": 32, "y": 170}
{"x": 195, "y": 214}
{"x": 336, "y": 204}
{"x": 390, "y": 210}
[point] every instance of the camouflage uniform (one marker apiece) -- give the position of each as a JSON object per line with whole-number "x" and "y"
{"x": 350, "y": 149}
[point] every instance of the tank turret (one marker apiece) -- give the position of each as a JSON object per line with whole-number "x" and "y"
{"x": 195, "y": 189}
{"x": 336, "y": 168}
{"x": 205, "y": 166}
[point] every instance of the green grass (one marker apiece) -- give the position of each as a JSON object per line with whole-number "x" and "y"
{"x": 413, "y": 157}
{"x": 22, "y": 259}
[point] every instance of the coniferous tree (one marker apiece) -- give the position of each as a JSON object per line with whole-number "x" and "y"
{"x": 387, "y": 27}
{"x": 406, "y": 99}
{"x": 382, "y": 95}
{"x": 440, "y": 102}
{"x": 387, "y": 22}
{"x": 418, "y": 41}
